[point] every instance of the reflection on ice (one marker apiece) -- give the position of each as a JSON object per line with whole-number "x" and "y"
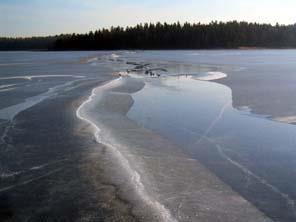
{"x": 163, "y": 183}
{"x": 247, "y": 152}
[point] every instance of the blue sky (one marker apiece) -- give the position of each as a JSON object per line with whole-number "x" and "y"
{"x": 47, "y": 17}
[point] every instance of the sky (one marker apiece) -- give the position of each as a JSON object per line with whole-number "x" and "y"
{"x": 49, "y": 17}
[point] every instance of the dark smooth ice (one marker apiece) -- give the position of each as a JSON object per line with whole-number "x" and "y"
{"x": 50, "y": 166}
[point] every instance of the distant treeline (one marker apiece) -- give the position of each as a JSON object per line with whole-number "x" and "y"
{"x": 167, "y": 36}
{"x": 34, "y": 43}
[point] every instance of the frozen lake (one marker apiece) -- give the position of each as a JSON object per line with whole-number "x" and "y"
{"x": 190, "y": 135}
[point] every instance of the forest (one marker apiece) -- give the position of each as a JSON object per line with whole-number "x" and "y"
{"x": 215, "y": 35}
{"x": 33, "y": 43}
